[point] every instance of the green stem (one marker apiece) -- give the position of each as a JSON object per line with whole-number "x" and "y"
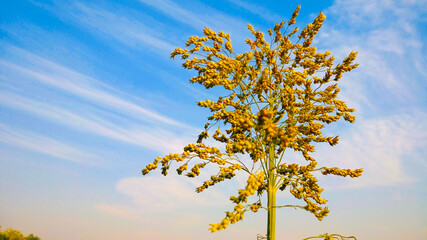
{"x": 271, "y": 223}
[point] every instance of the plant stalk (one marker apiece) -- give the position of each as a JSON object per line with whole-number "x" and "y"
{"x": 271, "y": 223}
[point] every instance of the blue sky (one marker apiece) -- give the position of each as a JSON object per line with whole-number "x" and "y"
{"x": 89, "y": 96}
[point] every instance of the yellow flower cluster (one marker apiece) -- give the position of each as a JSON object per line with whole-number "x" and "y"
{"x": 231, "y": 217}
{"x": 346, "y": 66}
{"x": 304, "y": 186}
{"x": 151, "y": 166}
{"x": 294, "y": 15}
{"x": 224, "y": 173}
{"x": 203, "y": 152}
{"x": 222, "y": 103}
{"x": 311, "y": 30}
{"x": 253, "y": 184}
{"x": 342, "y": 172}
{"x": 255, "y": 207}
{"x": 220, "y": 137}
{"x": 195, "y": 170}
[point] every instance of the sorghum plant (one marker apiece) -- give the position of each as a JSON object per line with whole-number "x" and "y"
{"x": 280, "y": 95}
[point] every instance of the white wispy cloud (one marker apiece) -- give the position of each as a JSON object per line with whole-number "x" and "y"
{"x": 146, "y": 194}
{"x": 201, "y": 16}
{"x": 255, "y": 9}
{"x": 151, "y": 137}
{"x": 158, "y": 195}
{"x": 387, "y": 37}
{"x": 376, "y": 13}
{"x": 88, "y": 105}
{"x": 130, "y": 27}
{"x": 125, "y": 29}
{"x": 170, "y": 202}
{"x": 82, "y": 86}
{"x": 45, "y": 145}
{"x": 180, "y": 14}
{"x": 381, "y": 146}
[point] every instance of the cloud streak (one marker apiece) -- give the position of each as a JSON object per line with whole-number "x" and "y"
{"x": 386, "y": 35}
{"x": 88, "y": 105}
{"x": 41, "y": 144}
{"x": 79, "y": 85}
{"x": 140, "y": 135}
{"x": 202, "y": 16}
{"x": 175, "y": 192}
{"x": 132, "y": 28}
{"x": 179, "y": 13}
{"x": 125, "y": 29}
{"x": 381, "y": 146}
{"x": 258, "y": 10}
